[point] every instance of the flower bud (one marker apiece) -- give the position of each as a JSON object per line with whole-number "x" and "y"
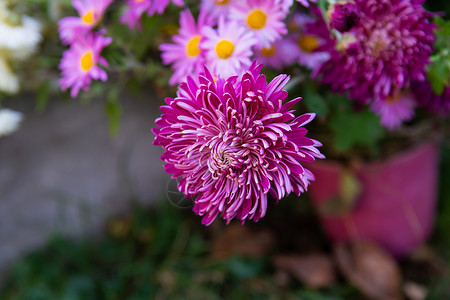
{"x": 344, "y": 16}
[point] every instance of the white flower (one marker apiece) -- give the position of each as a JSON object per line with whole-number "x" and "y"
{"x": 9, "y": 82}
{"x": 9, "y": 121}
{"x": 19, "y": 42}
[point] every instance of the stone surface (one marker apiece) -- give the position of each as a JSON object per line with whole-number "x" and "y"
{"x": 62, "y": 172}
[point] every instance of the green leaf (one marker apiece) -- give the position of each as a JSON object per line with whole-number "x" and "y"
{"x": 352, "y": 129}
{"x": 113, "y": 111}
{"x": 42, "y": 97}
{"x": 314, "y": 101}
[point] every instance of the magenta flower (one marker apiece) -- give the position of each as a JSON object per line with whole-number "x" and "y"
{"x": 80, "y": 64}
{"x": 185, "y": 55}
{"x": 158, "y": 6}
{"x": 90, "y": 13}
{"x": 264, "y": 18}
{"x": 135, "y": 9}
{"x": 232, "y": 141}
{"x": 228, "y": 48}
{"x": 389, "y": 47}
{"x": 427, "y": 98}
{"x": 395, "y": 111}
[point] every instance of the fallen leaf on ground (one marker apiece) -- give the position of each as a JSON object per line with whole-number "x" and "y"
{"x": 314, "y": 270}
{"x": 239, "y": 240}
{"x": 415, "y": 291}
{"x": 370, "y": 268}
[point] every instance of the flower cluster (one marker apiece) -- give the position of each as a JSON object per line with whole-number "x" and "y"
{"x": 81, "y": 62}
{"x": 233, "y": 140}
{"x": 229, "y": 34}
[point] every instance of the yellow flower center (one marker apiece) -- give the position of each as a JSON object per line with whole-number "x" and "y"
{"x": 393, "y": 99}
{"x": 192, "y": 47}
{"x": 224, "y": 49}
{"x": 221, "y": 2}
{"x": 268, "y": 51}
{"x": 308, "y": 43}
{"x": 256, "y": 19}
{"x": 88, "y": 17}
{"x": 87, "y": 61}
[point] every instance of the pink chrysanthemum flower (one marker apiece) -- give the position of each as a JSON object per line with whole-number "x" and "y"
{"x": 395, "y": 111}
{"x": 80, "y": 64}
{"x": 234, "y": 141}
{"x": 281, "y": 53}
{"x": 158, "y": 6}
{"x": 90, "y": 13}
{"x": 262, "y": 17}
{"x": 380, "y": 56}
{"x": 217, "y": 9}
{"x": 228, "y": 48}
{"x": 185, "y": 55}
{"x": 135, "y": 9}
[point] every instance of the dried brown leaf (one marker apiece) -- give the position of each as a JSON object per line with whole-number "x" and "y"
{"x": 239, "y": 240}
{"x": 314, "y": 270}
{"x": 370, "y": 268}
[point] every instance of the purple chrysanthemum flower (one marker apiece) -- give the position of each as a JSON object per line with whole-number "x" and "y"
{"x": 344, "y": 16}
{"x": 427, "y": 98}
{"x": 135, "y": 9}
{"x": 390, "y": 47}
{"x": 232, "y": 141}
{"x": 80, "y": 64}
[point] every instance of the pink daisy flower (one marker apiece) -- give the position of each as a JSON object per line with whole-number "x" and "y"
{"x": 158, "y": 6}
{"x": 395, "y": 111}
{"x": 228, "y": 48}
{"x": 262, "y": 17}
{"x": 281, "y": 53}
{"x": 90, "y": 13}
{"x": 217, "y": 8}
{"x": 233, "y": 141}
{"x": 80, "y": 64}
{"x": 135, "y": 9}
{"x": 184, "y": 54}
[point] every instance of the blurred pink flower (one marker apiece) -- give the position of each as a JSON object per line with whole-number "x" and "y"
{"x": 395, "y": 111}
{"x": 80, "y": 64}
{"x": 90, "y": 13}
{"x": 135, "y": 9}
{"x": 184, "y": 54}
{"x": 158, "y": 6}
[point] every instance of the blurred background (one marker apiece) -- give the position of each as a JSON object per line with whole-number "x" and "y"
{"x": 87, "y": 211}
